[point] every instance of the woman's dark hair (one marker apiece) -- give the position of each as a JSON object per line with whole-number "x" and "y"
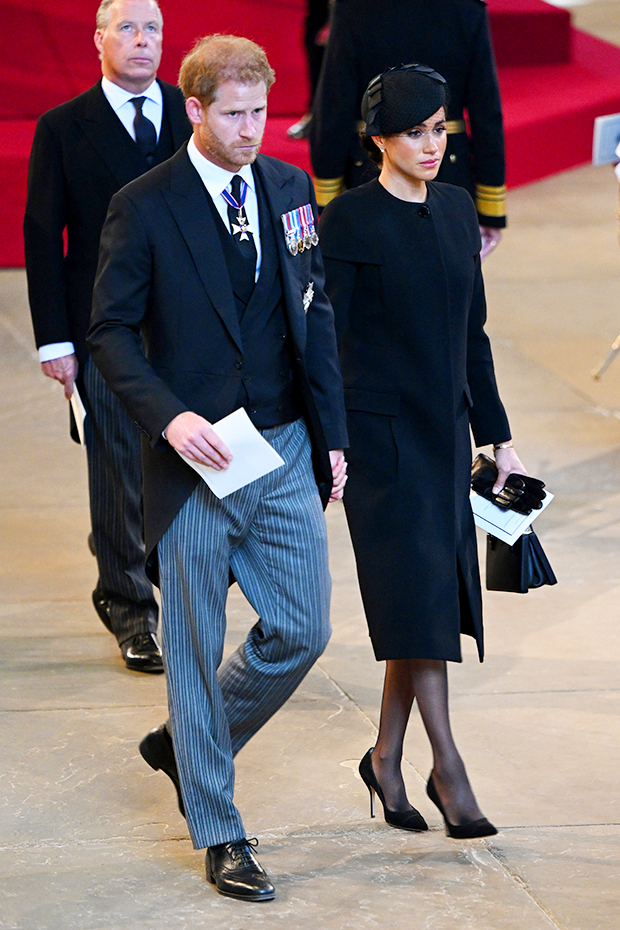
{"x": 370, "y": 146}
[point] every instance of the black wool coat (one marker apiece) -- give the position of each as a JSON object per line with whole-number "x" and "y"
{"x": 405, "y": 283}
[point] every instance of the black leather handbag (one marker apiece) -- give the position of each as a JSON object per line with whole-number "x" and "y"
{"x": 517, "y": 568}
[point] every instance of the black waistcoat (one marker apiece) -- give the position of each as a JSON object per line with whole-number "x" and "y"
{"x": 136, "y": 164}
{"x": 266, "y": 387}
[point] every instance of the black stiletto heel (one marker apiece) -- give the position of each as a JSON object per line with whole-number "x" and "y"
{"x": 404, "y": 820}
{"x": 461, "y": 831}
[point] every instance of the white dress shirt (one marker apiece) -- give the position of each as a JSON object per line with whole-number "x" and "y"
{"x": 119, "y": 100}
{"x": 217, "y": 179}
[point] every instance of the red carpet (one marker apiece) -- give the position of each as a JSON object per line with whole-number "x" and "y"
{"x": 529, "y": 32}
{"x": 554, "y": 80}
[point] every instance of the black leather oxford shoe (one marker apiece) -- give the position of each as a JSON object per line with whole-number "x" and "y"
{"x": 236, "y": 872}
{"x": 156, "y": 748}
{"x": 142, "y": 654}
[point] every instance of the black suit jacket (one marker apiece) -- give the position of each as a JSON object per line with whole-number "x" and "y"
{"x": 162, "y": 277}
{"x": 81, "y": 155}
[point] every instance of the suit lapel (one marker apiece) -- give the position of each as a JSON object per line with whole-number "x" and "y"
{"x": 108, "y": 136}
{"x": 180, "y": 125}
{"x": 185, "y": 199}
{"x": 282, "y": 197}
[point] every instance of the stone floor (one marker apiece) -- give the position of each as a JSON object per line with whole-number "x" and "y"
{"x": 90, "y": 837}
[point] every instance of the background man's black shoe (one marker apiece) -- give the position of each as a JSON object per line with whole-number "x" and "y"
{"x": 103, "y": 608}
{"x": 142, "y": 654}
{"x": 156, "y": 749}
{"x": 236, "y": 872}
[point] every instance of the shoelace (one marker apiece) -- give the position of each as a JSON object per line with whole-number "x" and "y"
{"x": 240, "y": 854}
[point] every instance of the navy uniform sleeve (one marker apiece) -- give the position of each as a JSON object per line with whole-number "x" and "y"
{"x": 487, "y": 132}
{"x": 335, "y": 108}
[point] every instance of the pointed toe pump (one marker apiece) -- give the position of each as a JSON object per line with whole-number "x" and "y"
{"x": 403, "y": 820}
{"x": 460, "y": 831}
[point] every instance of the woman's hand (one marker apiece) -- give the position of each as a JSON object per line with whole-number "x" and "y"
{"x": 508, "y": 463}
{"x": 339, "y": 474}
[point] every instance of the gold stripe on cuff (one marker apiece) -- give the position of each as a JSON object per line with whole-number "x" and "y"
{"x": 491, "y": 201}
{"x": 326, "y": 189}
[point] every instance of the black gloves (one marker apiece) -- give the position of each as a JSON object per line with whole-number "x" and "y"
{"x": 520, "y": 493}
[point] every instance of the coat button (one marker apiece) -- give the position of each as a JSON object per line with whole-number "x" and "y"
{"x": 246, "y": 379}
{"x": 238, "y": 364}
{"x": 452, "y": 159}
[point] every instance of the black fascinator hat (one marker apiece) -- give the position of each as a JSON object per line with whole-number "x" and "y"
{"x": 402, "y": 97}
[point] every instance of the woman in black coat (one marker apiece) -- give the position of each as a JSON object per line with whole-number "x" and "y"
{"x": 403, "y": 273}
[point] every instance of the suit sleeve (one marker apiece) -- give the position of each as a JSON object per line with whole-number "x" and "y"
{"x": 120, "y": 306}
{"x": 345, "y": 247}
{"x": 321, "y": 356}
{"x": 44, "y": 223}
{"x": 484, "y": 106}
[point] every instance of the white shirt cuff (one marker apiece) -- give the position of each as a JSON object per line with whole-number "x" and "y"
{"x": 55, "y": 350}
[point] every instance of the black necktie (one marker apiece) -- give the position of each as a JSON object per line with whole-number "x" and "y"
{"x": 239, "y": 225}
{"x": 146, "y": 137}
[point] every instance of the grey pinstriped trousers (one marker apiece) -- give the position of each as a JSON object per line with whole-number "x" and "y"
{"x": 115, "y": 495}
{"x": 273, "y": 534}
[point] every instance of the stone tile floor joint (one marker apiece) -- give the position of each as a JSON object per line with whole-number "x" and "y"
{"x": 523, "y": 885}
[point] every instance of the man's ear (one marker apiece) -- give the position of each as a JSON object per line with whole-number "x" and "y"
{"x": 194, "y": 110}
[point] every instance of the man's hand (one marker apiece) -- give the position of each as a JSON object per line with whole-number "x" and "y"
{"x": 192, "y": 435}
{"x": 339, "y": 474}
{"x": 508, "y": 463}
{"x": 62, "y": 369}
{"x": 490, "y": 240}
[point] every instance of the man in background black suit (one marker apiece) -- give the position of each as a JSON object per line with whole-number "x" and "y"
{"x": 83, "y": 152}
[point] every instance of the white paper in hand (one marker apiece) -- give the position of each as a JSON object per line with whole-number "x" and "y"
{"x": 506, "y": 525}
{"x": 253, "y": 457}
{"x": 79, "y": 414}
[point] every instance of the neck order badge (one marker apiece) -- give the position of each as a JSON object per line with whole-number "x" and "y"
{"x": 242, "y": 227}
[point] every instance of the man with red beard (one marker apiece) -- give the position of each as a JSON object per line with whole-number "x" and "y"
{"x": 210, "y": 261}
